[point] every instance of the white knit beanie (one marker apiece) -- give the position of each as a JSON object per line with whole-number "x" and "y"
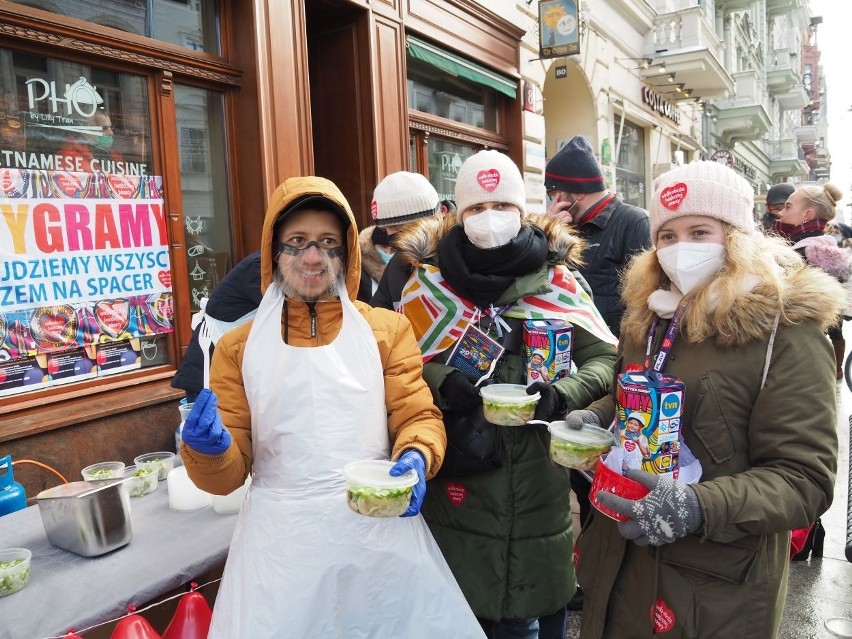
{"x": 401, "y": 197}
{"x": 703, "y": 188}
{"x": 489, "y": 176}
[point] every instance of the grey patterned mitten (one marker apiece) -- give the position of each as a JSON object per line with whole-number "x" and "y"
{"x": 670, "y": 511}
{"x": 576, "y": 418}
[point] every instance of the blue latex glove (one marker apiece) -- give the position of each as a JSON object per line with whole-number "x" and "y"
{"x": 203, "y": 430}
{"x": 412, "y": 459}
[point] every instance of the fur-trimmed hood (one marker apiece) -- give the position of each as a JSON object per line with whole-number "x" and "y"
{"x": 419, "y": 243}
{"x": 806, "y": 294}
{"x": 370, "y": 260}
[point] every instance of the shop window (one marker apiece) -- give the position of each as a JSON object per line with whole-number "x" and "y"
{"x": 630, "y": 165}
{"x": 207, "y": 223}
{"x": 86, "y": 279}
{"x": 456, "y": 108}
{"x": 188, "y": 23}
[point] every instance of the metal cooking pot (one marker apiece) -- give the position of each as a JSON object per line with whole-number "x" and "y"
{"x": 87, "y": 518}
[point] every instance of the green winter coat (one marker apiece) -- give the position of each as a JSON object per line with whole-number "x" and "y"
{"x": 506, "y": 533}
{"x": 769, "y": 463}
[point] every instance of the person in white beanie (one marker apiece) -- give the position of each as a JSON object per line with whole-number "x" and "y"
{"x": 398, "y": 199}
{"x": 499, "y": 511}
{"x": 733, "y": 315}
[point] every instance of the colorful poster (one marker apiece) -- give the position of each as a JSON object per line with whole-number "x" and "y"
{"x": 84, "y": 260}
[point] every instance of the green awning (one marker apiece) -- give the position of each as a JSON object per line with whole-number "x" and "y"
{"x": 457, "y": 66}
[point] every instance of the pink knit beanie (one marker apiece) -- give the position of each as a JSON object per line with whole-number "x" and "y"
{"x": 703, "y": 188}
{"x": 489, "y": 176}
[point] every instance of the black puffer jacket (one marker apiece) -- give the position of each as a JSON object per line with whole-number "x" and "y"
{"x": 612, "y": 237}
{"x": 237, "y": 294}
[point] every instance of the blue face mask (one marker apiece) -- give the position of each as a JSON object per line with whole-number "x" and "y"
{"x": 386, "y": 257}
{"x": 838, "y": 239}
{"x": 104, "y": 141}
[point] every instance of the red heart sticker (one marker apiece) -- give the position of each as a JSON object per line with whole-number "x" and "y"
{"x": 165, "y": 278}
{"x": 629, "y": 446}
{"x": 672, "y": 196}
{"x": 664, "y": 618}
{"x": 71, "y": 184}
{"x": 576, "y": 557}
{"x": 457, "y": 493}
{"x": 164, "y": 310}
{"x": 54, "y": 326}
{"x": 489, "y": 179}
{"x": 374, "y": 210}
{"x": 112, "y": 316}
{"x": 123, "y": 186}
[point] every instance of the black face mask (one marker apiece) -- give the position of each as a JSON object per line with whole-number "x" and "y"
{"x": 380, "y": 236}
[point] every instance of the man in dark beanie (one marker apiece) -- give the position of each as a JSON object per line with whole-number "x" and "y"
{"x": 614, "y": 232}
{"x": 776, "y": 198}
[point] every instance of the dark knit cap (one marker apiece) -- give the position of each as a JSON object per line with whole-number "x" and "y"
{"x": 779, "y": 193}
{"x": 574, "y": 169}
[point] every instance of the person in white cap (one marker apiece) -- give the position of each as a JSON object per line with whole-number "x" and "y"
{"x": 399, "y": 199}
{"x": 499, "y": 510}
{"x": 730, "y": 313}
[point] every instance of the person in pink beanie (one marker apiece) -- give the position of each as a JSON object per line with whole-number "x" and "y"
{"x": 730, "y": 314}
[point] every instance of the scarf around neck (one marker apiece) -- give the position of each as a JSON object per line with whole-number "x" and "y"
{"x": 794, "y": 232}
{"x": 481, "y": 275}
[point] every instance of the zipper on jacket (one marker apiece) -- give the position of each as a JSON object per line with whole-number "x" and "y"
{"x": 312, "y": 309}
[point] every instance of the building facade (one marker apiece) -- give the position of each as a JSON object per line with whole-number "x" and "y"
{"x": 140, "y": 143}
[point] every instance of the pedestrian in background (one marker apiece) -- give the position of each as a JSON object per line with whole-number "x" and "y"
{"x": 803, "y": 221}
{"x": 232, "y": 303}
{"x": 399, "y": 199}
{"x": 739, "y": 319}
{"x": 776, "y": 198}
{"x": 499, "y": 510}
{"x": 314, "y": 381}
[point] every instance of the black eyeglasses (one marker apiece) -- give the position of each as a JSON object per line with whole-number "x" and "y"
{"x": 334, "y": 251}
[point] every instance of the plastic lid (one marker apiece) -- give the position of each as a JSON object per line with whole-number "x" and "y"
{"x": 508, "y": 394}
{"x": 374, "y": 472}
{"x": 839, "y": 626}
{"x": 162, "y": 456}
{"x": 588, "y": 434}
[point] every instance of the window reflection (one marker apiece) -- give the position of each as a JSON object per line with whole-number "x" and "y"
{"x": 445, "y": 160}
{"x": 57, "y": 115}
{"x": 433, "y": 91}
{"x": 207, "y": 223}
{"x": 188, "y": 23}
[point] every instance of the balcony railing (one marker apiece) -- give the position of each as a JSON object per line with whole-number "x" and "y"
{"x": 685, "y": 28}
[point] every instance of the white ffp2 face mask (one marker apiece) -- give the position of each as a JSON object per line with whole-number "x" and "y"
{"x": 492, "y": 228}
{"x": 690, "y": 264}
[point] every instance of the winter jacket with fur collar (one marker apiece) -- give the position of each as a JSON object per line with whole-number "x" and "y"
{"x": 769, "y": 458}
{"x": 506, "y": 533}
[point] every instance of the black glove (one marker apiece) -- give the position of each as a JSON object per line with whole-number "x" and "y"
{"x": 460, "y": 394}
{"x": 550, "y": 407}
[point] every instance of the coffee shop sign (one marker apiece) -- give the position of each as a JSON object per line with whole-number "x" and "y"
{"x": 660, "y": 104}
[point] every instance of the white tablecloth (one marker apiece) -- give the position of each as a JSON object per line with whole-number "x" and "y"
{"x": 168, "y": 549}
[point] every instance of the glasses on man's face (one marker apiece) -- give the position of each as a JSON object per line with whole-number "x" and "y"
{"x": 553, "y": 193}
{"x": 330, "y": 247}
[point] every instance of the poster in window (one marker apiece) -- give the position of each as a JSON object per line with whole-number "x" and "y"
{"x": 81, "y": 269}
{"x": 558, "y": 28}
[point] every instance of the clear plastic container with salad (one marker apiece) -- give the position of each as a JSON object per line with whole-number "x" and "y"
{"x": 103, "y": 470}
{"x": 508, "y": 404}
{"x": 14, "y": 570}
{"x": 578, "y": 449}
{"x": 372, "y": 492}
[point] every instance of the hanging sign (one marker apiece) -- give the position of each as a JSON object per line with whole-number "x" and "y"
{"x": 557, "y": 28}
{"x": 723, "y": 156}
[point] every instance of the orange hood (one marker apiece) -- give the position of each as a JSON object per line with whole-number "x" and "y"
{"x": 288, "y": 193}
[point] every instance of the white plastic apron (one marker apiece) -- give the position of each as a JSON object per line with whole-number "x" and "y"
{"x": 301, "y": 563}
